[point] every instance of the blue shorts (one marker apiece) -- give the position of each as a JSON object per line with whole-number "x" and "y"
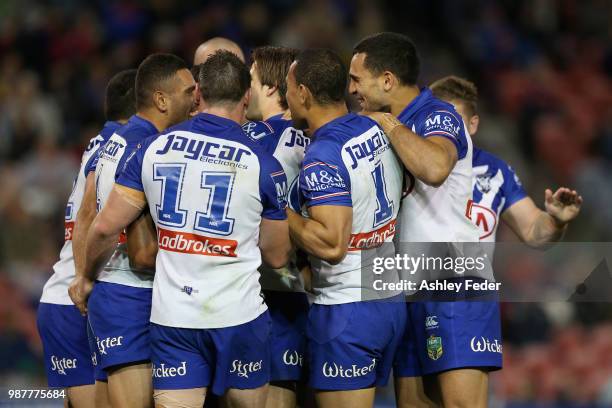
{"x": 289, "y": 314}
{"x": 229, "y": 357}
{"x": 99, "y": 373}
{"x": 63, "y": 332}
{"x": 443, "y": 336}
{"x": 351, "y": 346}
{"x": 119, "y": 317}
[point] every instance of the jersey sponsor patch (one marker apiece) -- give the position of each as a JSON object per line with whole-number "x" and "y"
{"x": 323, "y": 177}
{"x": 194, "y": 244}
{"x": 373, "y": 239}
{"x": 68, "y": 230}
{"x": 442, "y": 123}
{"x": 280, "y": 182}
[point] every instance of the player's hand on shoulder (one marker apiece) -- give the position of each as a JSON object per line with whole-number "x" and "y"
{"x": 563, "y": 205}
{"x": 79, "y": 291}
{"x": 375, "y": 116}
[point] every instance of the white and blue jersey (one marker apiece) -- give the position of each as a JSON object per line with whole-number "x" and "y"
{"x": 62, "y": 329}
{"x": 208, "y": 186}
{"x": 284, "y": 287}
{"x": 56, "y": 288}
{"x": 352, "y": 339}
{"x": 496, "y": 187}
{"x": 438, "y": 214}
{"x": 351, "y": 163}
{"x": 279, "y": 138}
{"x": 442, "y": 335}
{"x": 110, "y": 160}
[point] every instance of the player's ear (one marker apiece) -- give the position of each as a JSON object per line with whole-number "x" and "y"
{"x": 269, "y": 90}
{"x": 304, "y": 94}
{"x": 473, "y": 125}
{"x": 161, "y": 101}
{"x": 247, "y": 98}
{"x": 388, "y": 81}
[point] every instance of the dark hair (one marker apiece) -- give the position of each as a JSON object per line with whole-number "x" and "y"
{"x": 452, "y": 88}
{"x": 224, "y": 79}
{"x": 120, "y": 99}
{"x": 323, "y": 73}
{"x": 391, "y": 52}
{"x": 272, "y": 66}
{"x": 152, "y": 73}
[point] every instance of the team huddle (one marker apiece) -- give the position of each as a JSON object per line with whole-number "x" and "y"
{"x": 220, "y": 222}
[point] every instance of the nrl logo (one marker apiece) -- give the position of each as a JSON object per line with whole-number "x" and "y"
{"x": 483, "y": 182}
{"x": 434, "y": 347}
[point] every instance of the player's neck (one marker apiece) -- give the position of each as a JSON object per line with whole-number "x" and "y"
{"x": 157, "y": 120}
{"x": 402, "y": 98}
{"x": 271, "y": 108}
{"x": 235, "y": 113}
{"x": 320, "y": 116}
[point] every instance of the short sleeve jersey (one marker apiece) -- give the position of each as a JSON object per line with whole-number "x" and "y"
{"x": 496, "y": 188}
{"x": 56, "y": 288}
{"x": 351, "y": 163}
{"x": 438, "y": 214}
{"x": 278, "y": 137}
{"x": 110, "y": 160}
{"x": 208, "y": 187}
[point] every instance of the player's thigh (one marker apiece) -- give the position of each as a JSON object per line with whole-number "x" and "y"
{"x": 363, "y": 398}
{"x": 189, "y": 398}
{"x": 101, "y": 398}
{"x": 466, "y": 387}
{"x": 410, "y": 393}
{"x": 281, "y": 394}
{"x": 131, "y": 386}
{"x": 81, "y": 396}
{"x": 247, "y": 398}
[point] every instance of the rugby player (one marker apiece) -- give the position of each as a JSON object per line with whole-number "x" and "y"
{"x": 270, "y": 125}
{"x": 62, "y": 329}
{"x": 498, "y": 193}
{"x": 429, "y": 137}
{"x": 164, "y": 97}
{"x": 217, "y": 201}
{"x": 350, "y": 188}
{"x": 497, "y": 188}
{"x": 205, "y": 50}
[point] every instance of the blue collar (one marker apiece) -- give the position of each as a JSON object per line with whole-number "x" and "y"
{"x": 340, "y": 119}
{"x": 416, "y": 103}
{"x": 137, "y": 120}
{"x": 217, "y": 120}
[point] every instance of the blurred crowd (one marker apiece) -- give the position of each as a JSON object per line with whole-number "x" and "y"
{"x": 544, "y": 73}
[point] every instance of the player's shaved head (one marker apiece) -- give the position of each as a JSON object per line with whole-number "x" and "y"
{"x": 120, "y": 99}
{"x": 208, "y": 48}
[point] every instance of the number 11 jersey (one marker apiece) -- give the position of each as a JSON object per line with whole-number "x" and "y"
{"x": 208, "y": 187}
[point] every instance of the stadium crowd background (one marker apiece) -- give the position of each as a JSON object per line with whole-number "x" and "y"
{"x": 544, "y": 72}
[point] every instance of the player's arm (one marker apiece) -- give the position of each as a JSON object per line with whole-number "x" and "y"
{"x": 274, "y": 242}
{"x": 124, "y": 205}
{"x": 325, "y": 234}
{"x": 142, "y": 242}
{"x": 538, "y": 228}
{"x": 80, "y": 287}
{"x": 430, "y": 159}
{"x": 85, "y": 216}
